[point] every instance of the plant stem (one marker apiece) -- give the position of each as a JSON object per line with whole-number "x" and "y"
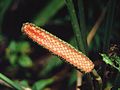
{"x": 96, "y": 26}
{"x": 10, "y": 82}
{"x": 98, "y": 78}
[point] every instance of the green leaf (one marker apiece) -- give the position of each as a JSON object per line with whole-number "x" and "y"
{"x": 41, "y": 84}
{"x": 73, "y": 42}
{"x": 48, "y": 12}
{"x": 25, "y": 61}
{"x": 23, "y": 47}
{"x": 23, "y": 83}
{"x": 82, "y": 22}
{"x": 112, "y": 60}
{"x": 11, "y": 53}
{"x": 10, "y": 82}
{"x": 51, "y": 64}
{"x": 13, "y": 59}
{"x": 12, "y": 46}
{"x": 73, "y": 77}
{"x": 97, "y": 41}
{"x": 76, "y": 27}
{"x": 108, "y": 86}
{"x": 16, "y": 53}
{"x": 106, "y": 59}
{"x": 116, "y": 59}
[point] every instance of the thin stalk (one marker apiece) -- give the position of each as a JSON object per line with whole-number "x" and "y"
{"x": 10, "y": 82}
{"x": 79, "y": 80}
{"x": 89, "y": 39}
{"x": 4, "y": 83}
{"x": 92, "y": 33}
{"x": 98, "y": 78}
{"x": 96, "y": 26}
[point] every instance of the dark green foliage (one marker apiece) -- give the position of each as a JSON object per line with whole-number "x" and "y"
{"x": 32, "y": 67}
{"x": 17, "y": 54}
{"x": 114, "y": 61}
{"x": 41, "y": 84}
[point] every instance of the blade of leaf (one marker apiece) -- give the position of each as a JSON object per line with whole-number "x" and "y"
{"x": 25, "y": 61}
{"x": 48, "y": 12}
{"x": 96, "y": 26}
{"x": 10, "y": 82}
{"x": 75, "y": 24}
{"x": 51, "y": 64}
{"x": 41, "y": 84}
{"x": 111, "y": 61}
{"x": 82, "y": 23}
{"x": 107, "y": 60}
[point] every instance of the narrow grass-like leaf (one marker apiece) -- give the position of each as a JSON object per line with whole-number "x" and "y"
{"x": 75, "y": 24}
{"x": 96, "y": 26}
{"x": 41, "y": 84}
{"x": 48, "y": 12}
{"x": 81, "y": 16}
{"x": 107, "y": 60}
{"x": 51, "y": 64}
{"x": 10, "y": 82}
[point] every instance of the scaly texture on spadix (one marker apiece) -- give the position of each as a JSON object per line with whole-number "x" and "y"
{"x": 58, "y": 47}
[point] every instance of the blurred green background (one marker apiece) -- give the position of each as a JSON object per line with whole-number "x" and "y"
{"x": 30, "y": 65}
